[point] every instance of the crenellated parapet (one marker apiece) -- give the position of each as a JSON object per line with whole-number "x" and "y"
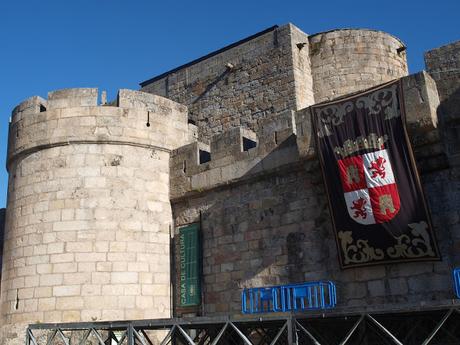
{"x": 287, "y": 139}
{"x": 74, "y": 116}
{"x": 89, "y": 215}
{"x": 234, "y": 154}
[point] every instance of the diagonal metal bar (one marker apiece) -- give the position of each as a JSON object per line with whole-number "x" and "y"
{"x": 87, "y": 333}
{"x": 98, "y": 336}
{"x": 241, "y": 334}
{"x": 138, "y": 337}
{"x": 31, "y": 337}
{"x": 204, "y": 339}
{"x": 221, "y": 333}
{"x": 110, "y": 338}
{"x": 146, "y": 337}
{"x": 122, "y": 339}
{"x": 438, "y": 327}
{"x": 171, "y": 331}
{"x": 383, "y": 329}
{"x": 352, "y": 330}
{"x": 186, "y": 336}
{"x": 308, "y": 333}
{"x": 279, "y": 334}
{"x": 50, "y": 339}
{"x": 63, "y": 337}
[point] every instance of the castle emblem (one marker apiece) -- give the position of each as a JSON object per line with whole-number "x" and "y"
{"x": 369, "y": 186}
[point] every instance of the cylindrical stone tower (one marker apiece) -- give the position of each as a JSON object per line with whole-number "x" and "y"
{"x": 88, "y": 214}
{"x": 350, "y": 60}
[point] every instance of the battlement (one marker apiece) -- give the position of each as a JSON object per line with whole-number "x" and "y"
{"x": 235, "y": 154}
{"x": 285, "y": 140}
{"x": 99, "y": 194}
{"x": 88, "y": 97}
{"x": 89, "y": 190}
{"x": 73, "y": 115}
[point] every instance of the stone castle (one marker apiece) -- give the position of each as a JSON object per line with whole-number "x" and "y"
{"x": 97, "y": 192}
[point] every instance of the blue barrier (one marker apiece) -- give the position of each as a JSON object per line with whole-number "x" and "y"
{"x": 292, "y": 297}
{"x": 457, "y": 281}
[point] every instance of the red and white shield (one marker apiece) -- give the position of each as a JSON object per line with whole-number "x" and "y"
{"x": 369, "y": 187}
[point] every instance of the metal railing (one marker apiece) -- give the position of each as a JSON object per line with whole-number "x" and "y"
{"x": 292, "y": 297}
{"x": 434, "y": 327}
{"x": 456, "y": 274}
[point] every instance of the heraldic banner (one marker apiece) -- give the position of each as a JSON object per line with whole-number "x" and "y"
{"x": 376, "y": 200}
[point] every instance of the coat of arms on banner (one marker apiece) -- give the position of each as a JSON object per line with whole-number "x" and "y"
{"x": 369, "y": 187}
{"x": 376, "y": 200}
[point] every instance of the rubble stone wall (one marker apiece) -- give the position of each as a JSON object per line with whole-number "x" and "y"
{"x": 443, "y": 64}
{"x": 264, "y": 80}
{"x": 265, "y": 217}
{"x": 283, "y": 69}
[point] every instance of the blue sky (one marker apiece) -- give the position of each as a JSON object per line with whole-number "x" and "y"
{"x": 48, "y": 45}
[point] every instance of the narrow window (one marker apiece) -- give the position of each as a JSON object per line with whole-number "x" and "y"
{"x": 205, "y": 156}
{"x": 248, "y": 144}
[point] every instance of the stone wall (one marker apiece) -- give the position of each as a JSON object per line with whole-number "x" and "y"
{"x": 265, "y": 218}
{"x": 2, "y": 232}
{"x": 443, "y": 64}
{"x": 88, "y": 217}
{"x": 349, "y": 60}
{"x": 93, "y": 190}
{"x": 270, "y": 74}
{"x": 282, "y": 69}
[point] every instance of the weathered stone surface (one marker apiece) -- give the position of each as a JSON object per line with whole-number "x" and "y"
{"x": 349, "y": 60}
{"x": 288, "y": 137}
{"x": 443, "y": 64}
{"x": 269, "y": 223}
{"x": 270, "y": 75}
{"x": 94, "y": 191}
{"x": 88, "y": 209}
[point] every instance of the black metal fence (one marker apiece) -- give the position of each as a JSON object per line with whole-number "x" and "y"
{"x": 435, "y": 327}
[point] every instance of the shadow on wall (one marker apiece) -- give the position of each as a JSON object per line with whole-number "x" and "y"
{"x": 449, "y": 119}
{"x": 446, "y": 196}
{"x": 267, "y": 230}
{"x": 274, "y": 228}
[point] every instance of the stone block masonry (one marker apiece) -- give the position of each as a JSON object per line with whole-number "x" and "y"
{"x": 343, "y": 61}
{"x": 284, "y": 139}
{"x": 2, "y": 232}
{"x": 443, "y": 64}
{"x": 278, "y": 70}
{"x": 97, "y": 193}
{"x": 264, "y": 80}
{"x": 89, "y": 217}
{"x": 265, "y": 218}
